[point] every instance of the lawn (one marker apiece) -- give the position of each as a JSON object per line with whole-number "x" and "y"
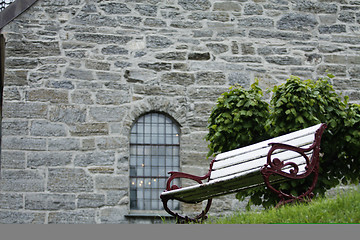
{"x": 342, "y": 207}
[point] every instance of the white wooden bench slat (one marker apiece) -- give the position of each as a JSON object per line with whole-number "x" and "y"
{"x": 280, "y": 139}
{"x": 200, "y": 192}
{"x": 285, "y": 156}
{"x": 304, "y": 142}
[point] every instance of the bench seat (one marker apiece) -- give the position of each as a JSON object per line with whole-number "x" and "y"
{"x": 240, "y": 169}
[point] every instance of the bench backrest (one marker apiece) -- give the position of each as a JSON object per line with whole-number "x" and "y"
{"x": 251, "y": 158}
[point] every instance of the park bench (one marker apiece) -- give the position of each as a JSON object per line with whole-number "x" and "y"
{"x": 290, "y": 156}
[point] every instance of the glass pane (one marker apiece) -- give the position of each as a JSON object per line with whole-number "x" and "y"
{"x": 140, "y": 129}
{"x": 162, "y": 150}
{"x": 155, "y": 150}
{"x": 154, "y": 128}
{"x": 169, "y": 151}
{"x": 168, "y": 129}
{"x": 133, "y": 150}
{"x": 132, "y": 160}
{"x": 154, "y": 139}
{"x": 175, "y": 161}
{"x": 162, "y": 172}
{"x": 139, "y": 150}
{"x": 147, "y": 128}
{"x": 147, "y": 139}
{"x": 155, "y": 171}
{"x": 140, "y": 204}
{"x": 147, "y": 171}
{"x": 175, "y": 151}
{"x": 132, "y": 171}
{"x": 155, "y": 161}
{"x": 154, "y": 205}
{"x": 140, "y": 171}
{"x": 133, "y": 184}
{"x": 147, "y": 150}
{"x": 161, "y": 161}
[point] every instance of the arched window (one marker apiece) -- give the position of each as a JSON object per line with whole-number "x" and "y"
{"x": 154, "y": 151}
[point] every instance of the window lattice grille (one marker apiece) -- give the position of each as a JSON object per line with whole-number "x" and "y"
{"x": 154, "y": 151}
{"x": 5, "y": 3}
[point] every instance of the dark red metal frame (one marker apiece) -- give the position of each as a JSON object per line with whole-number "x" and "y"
{"x": 180, "y": 218}
{"x": 275, "y": 166}
{"x": 272, "y": 167}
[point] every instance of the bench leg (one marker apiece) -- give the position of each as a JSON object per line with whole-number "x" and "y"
{"x": 186, "y": 219}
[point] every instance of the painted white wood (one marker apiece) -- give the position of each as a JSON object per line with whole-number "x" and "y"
{"x": 304, "y": 142}
{"x": 280, "y": 139}
{"x": 256, "y": 164}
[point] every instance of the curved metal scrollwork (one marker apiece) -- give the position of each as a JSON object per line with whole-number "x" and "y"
{"x": 180, "y": 218}
{"x": 276, "y": 166}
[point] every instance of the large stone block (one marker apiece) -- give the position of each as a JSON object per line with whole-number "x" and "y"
{"x": 69, "y": 180}
{"x": 47, "y": 129}
{"x": 90, "y": 200}
{"x": 24, "y": 143}
{"x": 315, "y": 7}
{"x": 48, "y": 95}
{"x": 64, "y": 144}
{"x": 108, "y": 114}
{"x": 111, "y": 182}
{"x": 78, "y": 74}
{"x": 211, "y": 78}
{"x": 24, "y": 110}
{"x": 107, "y": 143}
{"x": 193, "y": 5}
{"x": 68, "y": 113}
{"x": 140, "y": 76}
{"x": 297, "y": 22}
{"x": 255, "y": 22}
{"x": 89, "y": 129}
{"x": 22, "y": 181}
{"x": 147, "y": 9}
{"x": 103, "y": 158}
{"x": 16, "y": 217}
{"x": 50, "y": 159}
{"x": 113, "y": 215}
{"x": 16, "y": 78}
{"x": 227, "y": 6}
{"x": 13, "y": 127}
{"x": 11, "y": 201}
{"x": 13, "y": 159}
{"x": 46, "y": 201}
{"x": 158, "y": 42}
{"x": 83, "y": 216}
{"x": 102, "y": 38}
{"x": 32, "y": 49}
{"x": 178, "y": 78}
{"x": 114, "y": 8}
{"x": 284, "y": 60}
{"x": 109, "y": 97}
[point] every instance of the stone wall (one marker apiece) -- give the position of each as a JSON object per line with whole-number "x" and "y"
{"x": 80, "y": 72}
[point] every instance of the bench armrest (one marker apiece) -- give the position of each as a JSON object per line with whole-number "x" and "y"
{"x": 277, "y": 146}
{"x": 174, "y": 175}
{"x": 277, "y": 165}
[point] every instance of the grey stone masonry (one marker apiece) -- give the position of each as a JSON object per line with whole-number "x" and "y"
{"x": 79, "y": 73}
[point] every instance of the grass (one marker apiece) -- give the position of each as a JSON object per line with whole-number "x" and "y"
{"x": 341, "y": 208}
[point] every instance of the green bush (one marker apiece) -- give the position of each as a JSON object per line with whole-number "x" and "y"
{"x": 237, "y": 119}
{"x": 294, "y": 105}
